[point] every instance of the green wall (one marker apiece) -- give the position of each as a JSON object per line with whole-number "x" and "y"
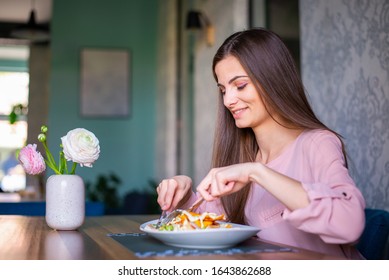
{"x": 127, "y": 144}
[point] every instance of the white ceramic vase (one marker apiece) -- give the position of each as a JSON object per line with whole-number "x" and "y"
{"x": 65, "y": 202}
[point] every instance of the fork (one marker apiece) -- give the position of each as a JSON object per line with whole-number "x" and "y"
{"x": 166, "y": 218}
{"x": 161, "y": 218}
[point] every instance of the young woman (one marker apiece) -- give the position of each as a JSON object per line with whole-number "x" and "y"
{"x": 275, "y": 165}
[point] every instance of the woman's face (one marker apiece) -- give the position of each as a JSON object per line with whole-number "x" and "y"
{"x": 240, "y": 96}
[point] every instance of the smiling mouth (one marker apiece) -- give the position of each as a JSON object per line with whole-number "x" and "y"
{"x": 236, "y": 113}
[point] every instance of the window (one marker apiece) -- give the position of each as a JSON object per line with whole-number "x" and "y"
{"x": 14, "y": 97}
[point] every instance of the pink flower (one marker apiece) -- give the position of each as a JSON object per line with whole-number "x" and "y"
{"x": 31, "y": 160}
{"x": 79, "y": 145}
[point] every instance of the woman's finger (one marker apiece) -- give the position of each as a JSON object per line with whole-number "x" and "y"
{"x": 166, "y": 190}
{"x": 204, "y": 188}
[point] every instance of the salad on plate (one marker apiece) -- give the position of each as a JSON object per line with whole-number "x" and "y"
{"x": 194, "y": 221}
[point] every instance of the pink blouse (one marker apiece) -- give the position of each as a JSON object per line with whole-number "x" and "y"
{"x": 332, "y": 221}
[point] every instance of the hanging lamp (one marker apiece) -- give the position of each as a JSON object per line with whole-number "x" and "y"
{"x": 31, "y": 31}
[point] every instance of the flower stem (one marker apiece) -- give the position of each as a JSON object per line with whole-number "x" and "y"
{"x": 50, "y": 159}
{"x": 73, "y": 168}
{"x": 63, "y": 167}
{"x": 49, "y": 164}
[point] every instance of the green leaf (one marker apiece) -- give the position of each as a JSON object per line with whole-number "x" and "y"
{"x": 12, "y": 117}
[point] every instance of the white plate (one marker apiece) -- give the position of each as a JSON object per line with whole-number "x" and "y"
{"x": 215, "y": 238}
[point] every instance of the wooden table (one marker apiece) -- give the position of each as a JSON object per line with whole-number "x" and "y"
{"x": 29, "y": 238}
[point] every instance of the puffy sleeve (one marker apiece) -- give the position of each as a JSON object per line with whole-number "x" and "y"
{"x": 336, "y": 209}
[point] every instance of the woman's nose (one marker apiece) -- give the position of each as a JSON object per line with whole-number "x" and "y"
{"x": 229, "y": 98}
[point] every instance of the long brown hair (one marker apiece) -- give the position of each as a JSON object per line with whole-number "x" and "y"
{"x": 271, "y": 68}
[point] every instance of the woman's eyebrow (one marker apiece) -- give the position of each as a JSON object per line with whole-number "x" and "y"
{"x": 236, "y": 77}
{"x": 232, "y": 80}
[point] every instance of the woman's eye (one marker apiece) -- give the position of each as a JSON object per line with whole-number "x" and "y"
{"x": 241, "y": 87}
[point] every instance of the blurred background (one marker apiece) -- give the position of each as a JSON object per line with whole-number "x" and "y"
{"x": 138, "y": 75}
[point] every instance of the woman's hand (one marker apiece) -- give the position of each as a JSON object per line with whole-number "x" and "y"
{"x": 225, "y": 180}
{"x": 173, "y": 191}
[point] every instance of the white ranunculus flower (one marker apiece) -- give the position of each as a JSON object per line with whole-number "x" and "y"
{"x": 81, "y": 146}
